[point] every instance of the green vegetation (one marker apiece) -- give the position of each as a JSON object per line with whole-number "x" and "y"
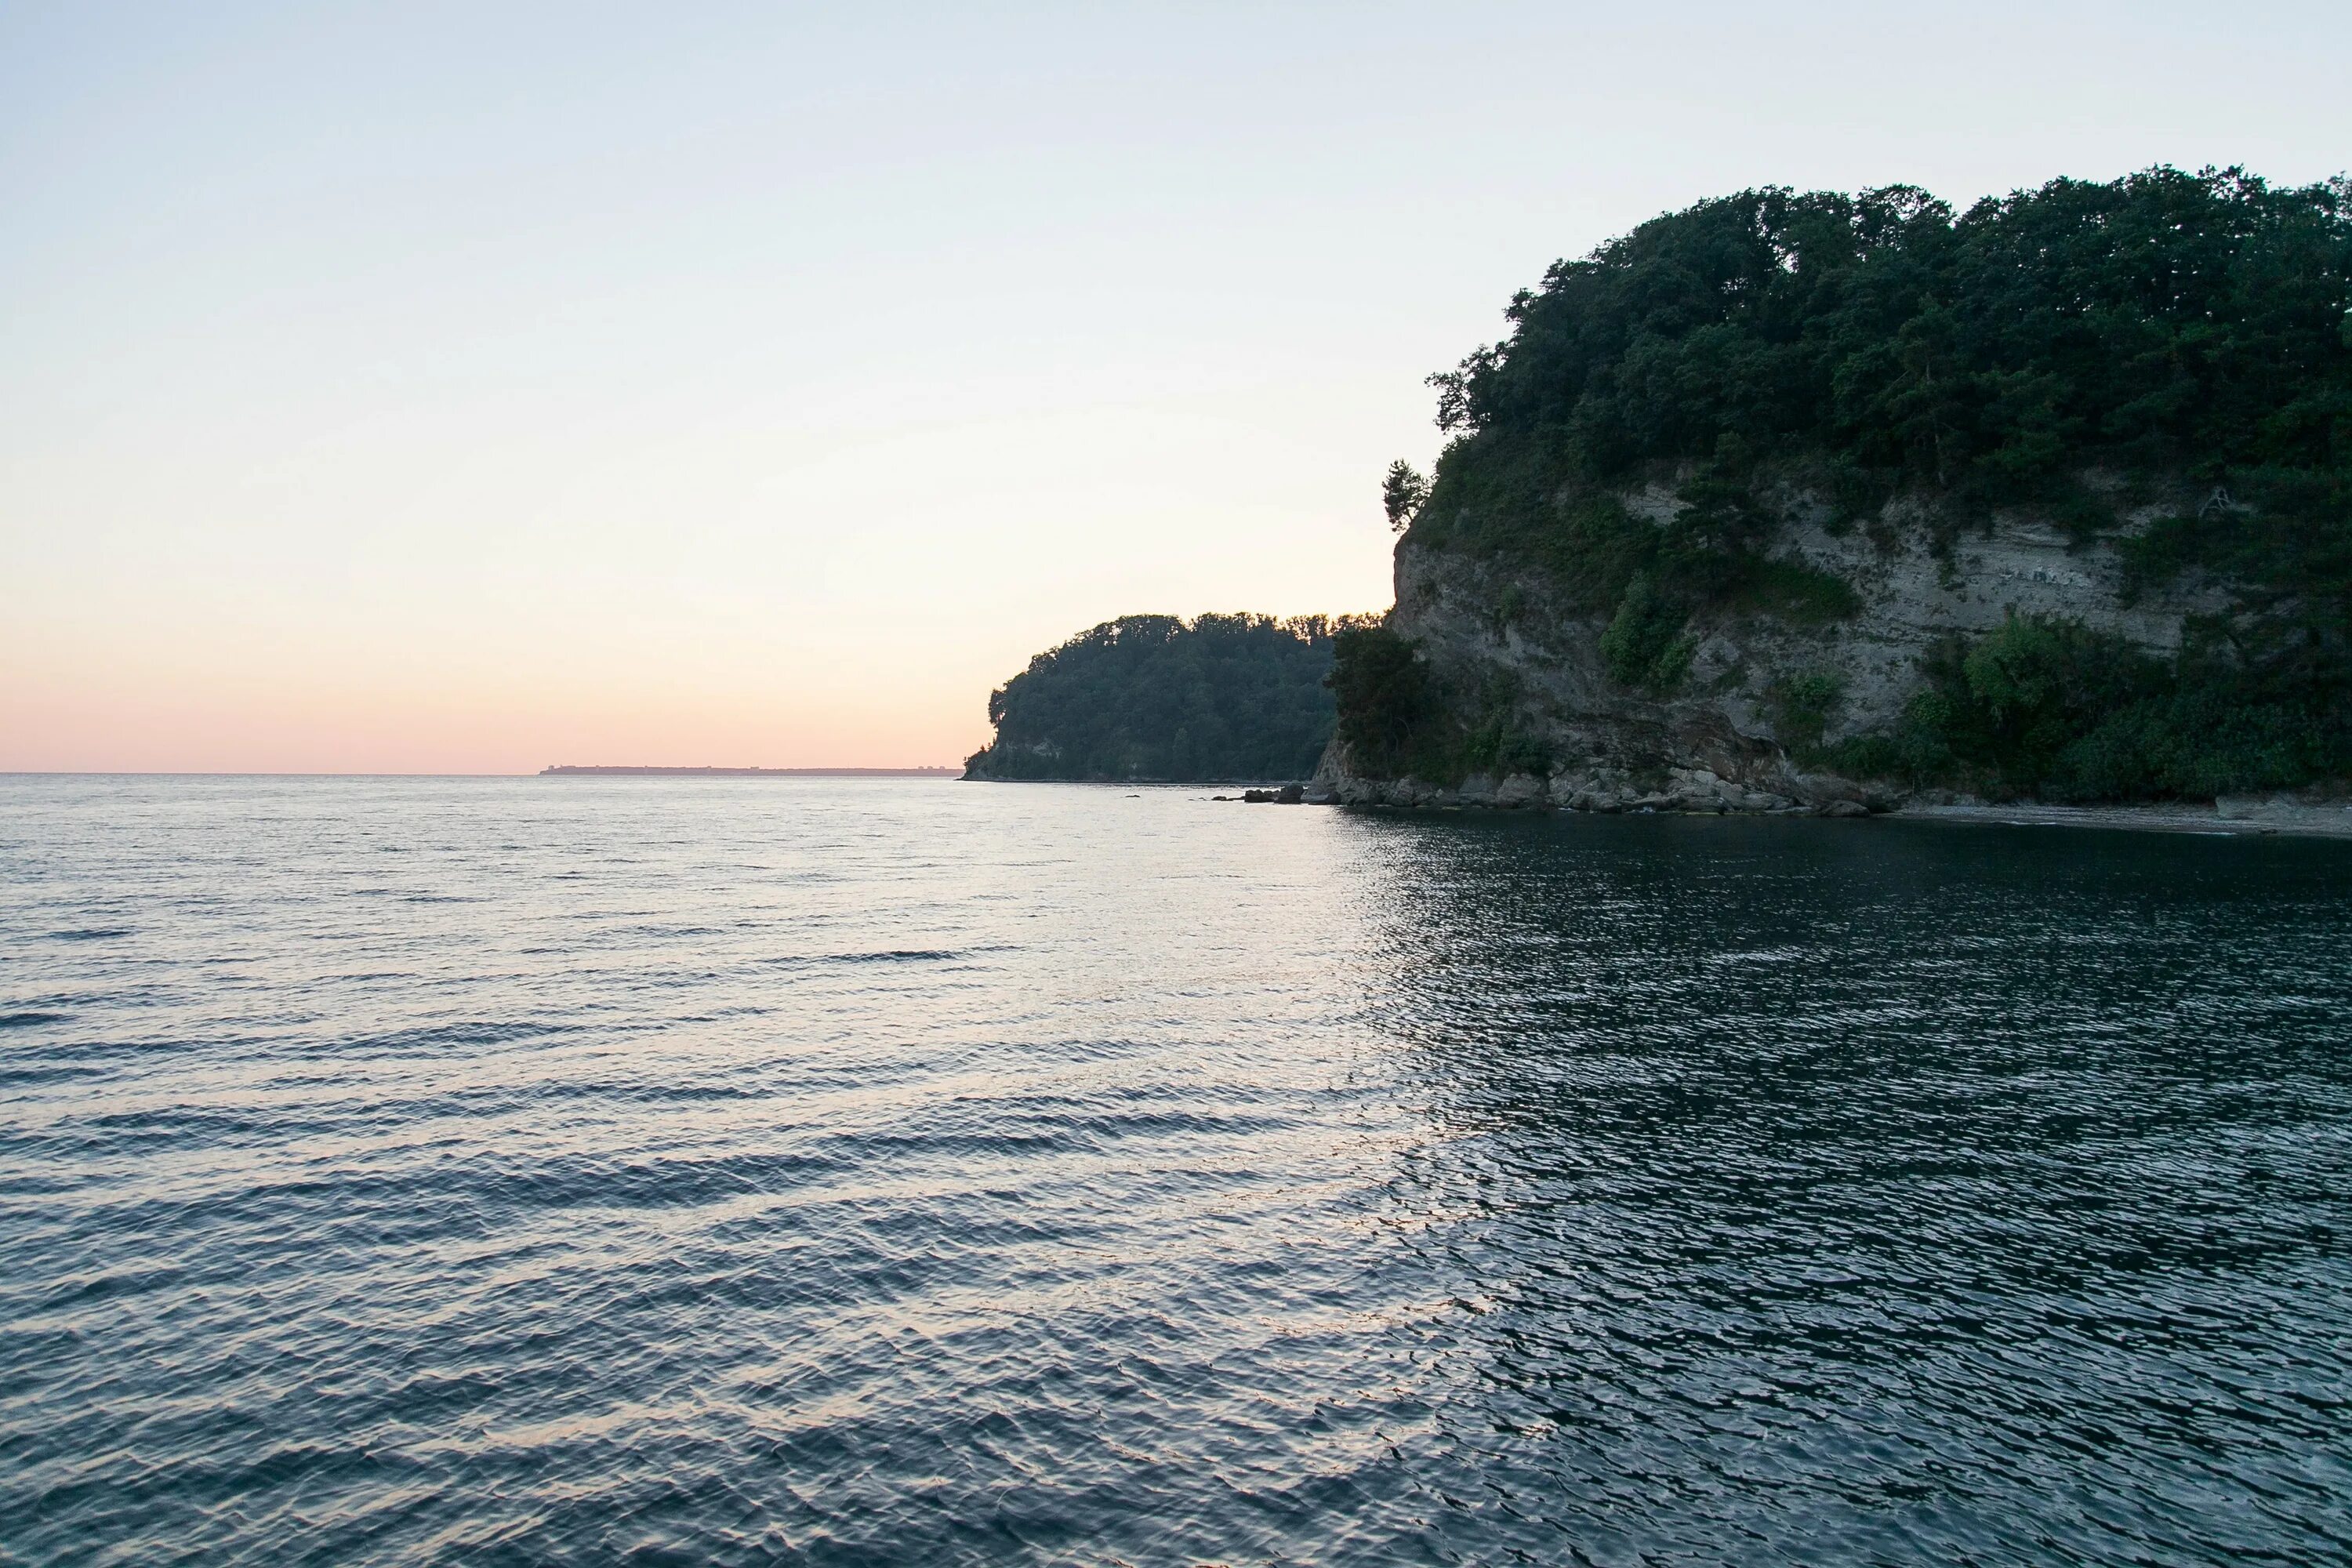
{"x": 2165, "y": 322}
{"x": 1401, "y": 493}
{"x": 1805, "y": 704}
{"x": 2053, "y": 709}
{"x": 1645, "y": 644}
{"x": 2084, "y": 349}
{"x": 1387, "y": 708}
{"x": 1155, "y": 697}
{"x": 1398, "y": 724}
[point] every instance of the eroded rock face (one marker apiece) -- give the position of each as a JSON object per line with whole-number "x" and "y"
{"x": 1714, "y": 744}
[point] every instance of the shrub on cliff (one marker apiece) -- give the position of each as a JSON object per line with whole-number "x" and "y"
{"x": 1645, "y": 644}
{"x": 2050, "y": 708}
{"x": 1157, "y": 697}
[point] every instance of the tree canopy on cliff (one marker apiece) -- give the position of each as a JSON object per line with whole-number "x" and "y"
{"x": 1156, "y": 697}
{"x": 2193, "y": 327}
{"x": 2167, "y": 321}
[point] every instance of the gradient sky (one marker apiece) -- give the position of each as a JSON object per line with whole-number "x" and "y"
{"x": 469, "y": 387}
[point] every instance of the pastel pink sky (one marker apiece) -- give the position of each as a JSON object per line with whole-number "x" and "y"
{"x": 470, "y": 388}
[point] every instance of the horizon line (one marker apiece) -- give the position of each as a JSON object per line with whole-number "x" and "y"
{"x": 437, "y": 774}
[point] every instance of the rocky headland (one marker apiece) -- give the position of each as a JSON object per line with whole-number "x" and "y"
{"x": 1850, "y": 504}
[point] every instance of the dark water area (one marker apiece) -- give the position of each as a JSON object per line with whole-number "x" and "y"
{"x": 836, "y": 1172}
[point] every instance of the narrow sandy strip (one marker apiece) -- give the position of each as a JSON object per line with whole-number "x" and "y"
{"x": 2307, "y": 821}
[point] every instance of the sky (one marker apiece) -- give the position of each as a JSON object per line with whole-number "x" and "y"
{"x": 469, "y": 387}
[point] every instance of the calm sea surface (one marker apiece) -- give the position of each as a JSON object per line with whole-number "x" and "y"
{"x": 897, "y": 1171}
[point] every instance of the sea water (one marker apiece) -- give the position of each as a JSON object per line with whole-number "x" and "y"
{"x": 904, "y": 1172}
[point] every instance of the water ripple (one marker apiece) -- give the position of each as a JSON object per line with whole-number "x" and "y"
{"x": 876, "y": 1171}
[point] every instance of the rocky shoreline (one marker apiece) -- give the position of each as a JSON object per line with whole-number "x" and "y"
{"x": 1610, "y": 790}
{"x": 1721, "y": 740}
{"x": 1701, "y": 791}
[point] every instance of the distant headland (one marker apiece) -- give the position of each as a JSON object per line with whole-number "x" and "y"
{"x": 570, "y": 770}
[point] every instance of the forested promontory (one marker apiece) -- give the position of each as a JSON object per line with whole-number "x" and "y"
{"x": 1219, "y": 698}
{"x": 1789, "y": 494}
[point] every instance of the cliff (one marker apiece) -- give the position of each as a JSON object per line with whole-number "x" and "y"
{"x": 1768, "y": 703}
{"x": 1832, "y": 501}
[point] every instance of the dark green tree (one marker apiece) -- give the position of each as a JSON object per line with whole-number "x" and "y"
{"x": 1402, "y": 492}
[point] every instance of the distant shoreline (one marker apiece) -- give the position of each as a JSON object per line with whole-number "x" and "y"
{"x": 569, "y": 770}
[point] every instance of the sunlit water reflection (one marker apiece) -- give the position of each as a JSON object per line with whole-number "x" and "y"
{"x": 527, "y": 1171}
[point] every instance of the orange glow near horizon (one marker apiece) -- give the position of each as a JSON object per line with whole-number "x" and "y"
{"x": 386, "y": 390}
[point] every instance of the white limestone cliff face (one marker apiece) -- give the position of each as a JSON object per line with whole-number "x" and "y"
{"x": 1714, "y": 745}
